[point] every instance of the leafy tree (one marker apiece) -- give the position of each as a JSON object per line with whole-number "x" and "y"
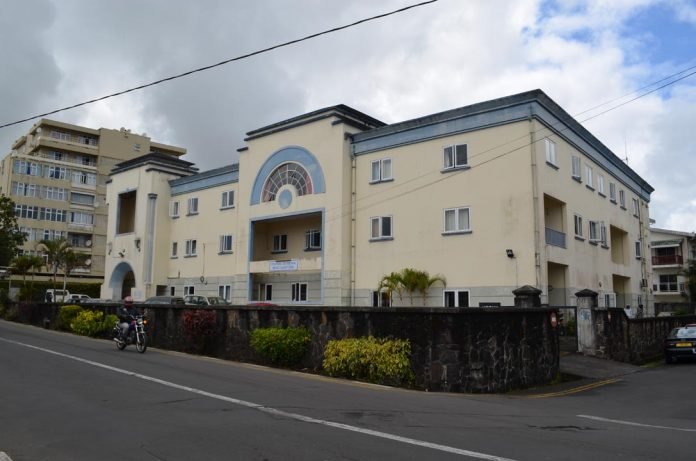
{"x": 11, "y": 238}
{"x": 391, "y": 283}
{"x": 425, "y": 281}
{"x": 55, "y": 250}
{"x": 71, "y": 261}
{"x": 411, "y": 281}
{"x": 22, "y": 265}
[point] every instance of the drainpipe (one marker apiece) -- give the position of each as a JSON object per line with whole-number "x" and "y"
{"x": 149, "y": 242}
{"x": 535, "y": 201}
{"x": 353, "y": 211}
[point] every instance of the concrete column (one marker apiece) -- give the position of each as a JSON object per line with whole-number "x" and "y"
{"x": 527, "y": 296}
{"x": 587, "y": 304}
{"x": 149, "y": 243}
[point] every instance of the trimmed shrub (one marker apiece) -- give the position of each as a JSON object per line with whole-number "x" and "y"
{"x": 281, "y": 346}
{"x": 92, "y": 323}
{"x": 67, "y": 314}
{"x": 375, "y": 360}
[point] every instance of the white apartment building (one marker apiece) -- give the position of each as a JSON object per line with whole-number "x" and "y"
{"x": 670, "y": 253}
{"x": 56, "y": 175}
{"x": 491, "y": 196}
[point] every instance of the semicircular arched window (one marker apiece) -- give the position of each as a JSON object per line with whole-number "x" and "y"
{"x": 290, "y": 173}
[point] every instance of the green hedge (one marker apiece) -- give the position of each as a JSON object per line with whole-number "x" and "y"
{"x": 67, "y": 314}
{"x": 282, "y": 346}
{"x": 92, "y": 323}
{"x": 375, "y": 360}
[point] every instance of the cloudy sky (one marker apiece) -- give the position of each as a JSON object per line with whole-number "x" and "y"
{"x": 449, "y": 54}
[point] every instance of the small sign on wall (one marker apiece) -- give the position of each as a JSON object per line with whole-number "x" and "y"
{"x": 287, "y": 265}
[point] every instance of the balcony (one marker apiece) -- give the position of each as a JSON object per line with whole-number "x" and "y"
{"x": 668, "y": 260}
{"x": 555, "y": 238}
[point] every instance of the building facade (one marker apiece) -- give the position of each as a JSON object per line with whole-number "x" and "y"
{"x": 56, "y": 175}
{"x": 321, "y": 207}
{"x": 671, "y": 252}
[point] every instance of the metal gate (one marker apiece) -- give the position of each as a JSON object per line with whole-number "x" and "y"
{"x": 567, "y": 328}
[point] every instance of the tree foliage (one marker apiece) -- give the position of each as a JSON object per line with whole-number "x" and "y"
{"x": 11, "y": 238}
{"x": 411, "y": 281}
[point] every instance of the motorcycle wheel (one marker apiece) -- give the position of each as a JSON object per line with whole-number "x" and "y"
{"x": 141, "y": 343}
{"x": 120, "y": 344}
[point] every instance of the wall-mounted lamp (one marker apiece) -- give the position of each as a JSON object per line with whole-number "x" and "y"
{"x": 510, "y": 253}
{"x": 109, "y": 247}
{"x": 122, "y": 253}
{"x": 137, "y": 243}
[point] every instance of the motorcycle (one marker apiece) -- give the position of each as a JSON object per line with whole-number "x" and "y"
{"x": 137, "y": 334}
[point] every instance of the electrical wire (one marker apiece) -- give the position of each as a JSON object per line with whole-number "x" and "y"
{"x": 222, "y": 63}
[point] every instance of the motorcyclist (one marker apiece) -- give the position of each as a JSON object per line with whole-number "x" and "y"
{"x": 126, "y": 314}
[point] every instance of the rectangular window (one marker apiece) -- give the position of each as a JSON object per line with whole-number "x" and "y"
{"x": 299, "y": 292}
{"x": 313, "y": 239}
{"x": 550, "y": 151}
{"x": 193, "y": 205}
{"x": 636, "y": 207}
{"x": 175, "y": 249}
{"x": 126, "y": 212}
{"x": 82, "y": 177}
{"x": 456, "y": 156}
{"x": 225, "y": 292}
{"x": 81, "y": 219}
{"x": 280, "y": 243}
{"x": 456, "y": 298}
{"x": 603, "y": 233}
{"x": 380, "y": 299}
{"x": 81, "y": 199}
{"x": 265, "y": 292}
{"x": 172, "y": 291}
{"x": 457, "y": 220}
{"x": 226, "y": 243}
{"x": 589, "y": 176}
{"x": 594, "y": 231}
{"x": 600, "y": 183}
{"x": 189, "y": 290}
{"x": 56, "y": 172}
{"x": 190, "y": 248}
{"x": 576, "y": 167}
{"x": 612, "y": 192}
{"x": 54, "y": 155}
{"x": 60, "y": 135}
{"x": 622, "y": 198}
{"x": 381, "y": 170}
{"x": 174, "y": 209}
{"x": 668, "y": 282}
{"x": 227, "y": 199}
{"x": 639, "y": 252}
{"x": 578, "y": 225}
{"x": 381, "y": 227}
{"x": 55, "y": 193}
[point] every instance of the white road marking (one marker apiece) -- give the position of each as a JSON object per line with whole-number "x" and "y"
{"x": 271, "y": 411}
{"x": 4, "y": 457}
{"x": 631, "y": 423}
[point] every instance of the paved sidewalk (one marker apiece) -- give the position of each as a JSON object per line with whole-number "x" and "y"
{"x": 594, "y": 368}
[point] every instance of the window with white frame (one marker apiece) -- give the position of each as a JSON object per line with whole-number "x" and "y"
{"x": 28, "y": 168}
{"x": 175, "y": 249}
{"x": 265, "y": 292}
{"x": 550, "y": 151}
{"x": 594, "y": 231}
{"x": 600, "y": 183}
{"x": 63, "y": 136}
{"x": 174, "y": 209}
{"x": 639, "y": 251}
{"x": 21, "y": 189}
{"x": 53, "y": 214}
{"x": 380, "y": 299}
{"x": 380, "y": 227}
{"x": 456, "y": 298}
{"x": 299, "y": 292}
{"x": 51, "y": 234}
{"x": 457, "y": 220}
{"x": 80, "y": 199}
{"x": 56, "y": 172}
{"x": 575, "y": 167}
{"x": 190, "y": 247}
{"x": 381, "y": 170}
{"x": 578, "y": 225}
{"x": 227, "y": 199}
{"x": 668, "y": 282}
{"x": 82, "y": 177}
{"x": 192, "y": 205}
{"x": 58, "y": 193}
{"x": 612, "y": 192}
{"x": 603, "y": 233}
{"x": 81, "y": 219}
{"x": 226, "y": 243}
{"x": 456, "y": 156}
{"x": 589, "y": 176}
{"x": 55, "y": 155}
{"x": 636, "y": 207}
{"x": 622, "y": 198}
{"x": 225, "y": 292}
{"x": 313, "y": 239}
{"x": 189, "y": 290}
{"x": 280, "y": 243}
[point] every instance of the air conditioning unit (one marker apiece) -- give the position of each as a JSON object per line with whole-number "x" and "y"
{"x": 88, "y": 262}
{"x": 644, "y": 283}
{"x": 88, "y": 243}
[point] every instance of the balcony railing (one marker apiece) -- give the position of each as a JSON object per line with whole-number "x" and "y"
{"x": 669, "y": 260}
{"x": 555, "y": 238}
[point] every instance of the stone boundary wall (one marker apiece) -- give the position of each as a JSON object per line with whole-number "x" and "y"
{"x": 477, "y": 350}
{"x": 635, "y": 341}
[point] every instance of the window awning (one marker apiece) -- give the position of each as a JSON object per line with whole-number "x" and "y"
{"x": 666, "y": 243}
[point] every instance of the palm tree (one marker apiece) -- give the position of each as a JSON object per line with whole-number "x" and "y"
{"x": 410, "y": 279}
{"x": 55, "y": 250}
{"x": 22, "y": 265}
{"x": 391, "y": 283}
{"x": 425, "y": 281}
{"x": 37, "y": 262}
{"x": 71, "y": 260}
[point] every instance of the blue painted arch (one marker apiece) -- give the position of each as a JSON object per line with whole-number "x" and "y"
{"x": 294, "y": 154}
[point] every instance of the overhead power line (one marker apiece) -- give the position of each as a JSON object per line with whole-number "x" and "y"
{"x": 222, "y": 63}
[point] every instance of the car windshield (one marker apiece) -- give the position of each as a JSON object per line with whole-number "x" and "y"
{"x": 214, "y": 300}
{"x": 684, "y": 333}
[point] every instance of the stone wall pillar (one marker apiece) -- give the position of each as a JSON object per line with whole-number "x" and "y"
{"x": 527, "y": 296}
{"x": 587, "y": 304}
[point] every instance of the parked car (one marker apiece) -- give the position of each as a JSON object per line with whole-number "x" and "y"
{"x": 56, "y": 296}
{"x": 172, "y": 300}
{"x": 78, "y": 298}
{"x": 198, "y": 300}
{"x": 681, "y": 343}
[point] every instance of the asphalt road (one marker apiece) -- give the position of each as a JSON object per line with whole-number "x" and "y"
{"x": 65, "y": 397}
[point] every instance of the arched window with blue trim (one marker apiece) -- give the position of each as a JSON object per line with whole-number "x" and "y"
{"x": 289, "y": 173}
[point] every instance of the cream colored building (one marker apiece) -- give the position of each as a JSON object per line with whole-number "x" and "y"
{"x": 56, "y": 175}
{"x": 671, "y": 252}
{"x": 491, "y": 196}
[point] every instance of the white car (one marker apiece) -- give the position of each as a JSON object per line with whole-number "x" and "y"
{"x": 197, "y": 300}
